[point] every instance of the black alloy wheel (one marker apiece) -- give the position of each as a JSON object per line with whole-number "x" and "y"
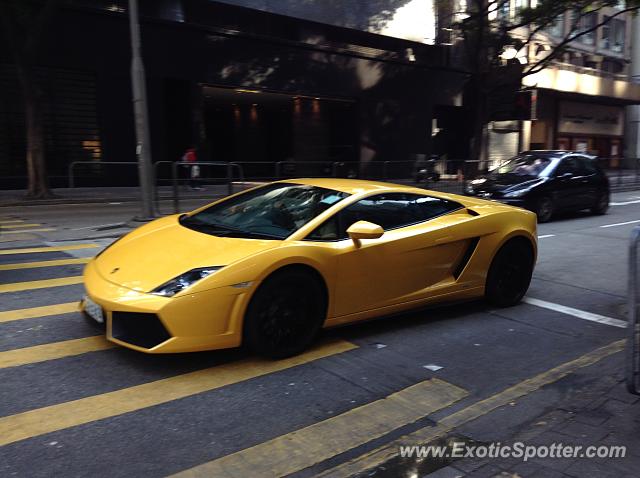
{"x": 601, "y": 205}
{"x": 510, "y": 273}
{"x": 544, "y": 209}
{"x": 285, "y": 314}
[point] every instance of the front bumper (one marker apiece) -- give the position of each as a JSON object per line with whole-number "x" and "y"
{"x": 148, "y": 323}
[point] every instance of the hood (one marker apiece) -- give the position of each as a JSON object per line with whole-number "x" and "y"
{"x": 504, "y": 183}
{"x": 163, "y": 249}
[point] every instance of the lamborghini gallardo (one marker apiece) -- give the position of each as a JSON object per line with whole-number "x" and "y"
{"x": 269, "y": 267}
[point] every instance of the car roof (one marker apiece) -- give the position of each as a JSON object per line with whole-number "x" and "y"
{"x": 349, "y": 186}
{"x": 556, "y": 153}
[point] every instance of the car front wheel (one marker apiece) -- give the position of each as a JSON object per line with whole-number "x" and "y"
{"x": 285, "y": 314}
{"x": 510, "y": 273}
{"x": 544, "y": 209}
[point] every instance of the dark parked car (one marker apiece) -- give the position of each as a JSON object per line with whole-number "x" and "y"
{"x": 546, "y": 182}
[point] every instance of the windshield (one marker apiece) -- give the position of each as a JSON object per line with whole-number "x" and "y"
{"x": 274, "y": 211}
{"x": 524, "y": 165}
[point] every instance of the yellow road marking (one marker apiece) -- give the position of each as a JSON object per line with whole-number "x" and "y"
{"x": 15, "y": 226}
{"x": 426, "y": 435}
{"x": 85, "y": 410}
{"x": 308, "y": 446}
{"x": 46, "y": 229}
{"x": 56, "y": 350}
{"x": 11, "y": 221}
{"x": 19, "y": 314}
{"x": 30, "y": 250}
{"x": 33, "y": 265}
{"x": 40, "y": 284}
{"x": 16, "y": 237}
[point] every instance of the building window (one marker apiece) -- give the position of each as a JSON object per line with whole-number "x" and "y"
{"x": 613, "y": 35}
{"x": 504, "y": 11}
{"x": 587, "y": 23}
{"x": 519, "y": 5}
{"x": 556, "y": 28}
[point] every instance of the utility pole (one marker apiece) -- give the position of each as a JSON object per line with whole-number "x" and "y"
{"x": 141, "y": 116}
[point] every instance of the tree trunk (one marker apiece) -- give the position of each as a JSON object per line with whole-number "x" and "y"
{"x": 38, "y": 186}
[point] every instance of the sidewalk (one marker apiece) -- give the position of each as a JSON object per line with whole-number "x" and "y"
{"x": 627, "y": 181}
{"x": 597, "y": 411}
{"x": 112, "y": 195}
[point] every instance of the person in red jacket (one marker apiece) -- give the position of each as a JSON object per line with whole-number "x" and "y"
{"x": 194, "y": 170}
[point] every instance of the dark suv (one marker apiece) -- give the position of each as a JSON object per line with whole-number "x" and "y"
{"x": 546, "y": 182}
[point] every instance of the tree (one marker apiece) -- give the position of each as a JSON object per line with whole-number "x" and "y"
{"x": 486, "y": 32}
{"x": 24, "y": 23}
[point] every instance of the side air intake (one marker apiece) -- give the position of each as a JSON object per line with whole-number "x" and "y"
{"x": 464, "y": 260}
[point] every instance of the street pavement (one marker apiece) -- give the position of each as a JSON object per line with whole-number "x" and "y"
{"x": 548, "y": 370}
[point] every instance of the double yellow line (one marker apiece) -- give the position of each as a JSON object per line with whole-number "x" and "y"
{"x": 17, "y": 226}
{"x": 85, "y": 410}
{"x": 45, "y": 283}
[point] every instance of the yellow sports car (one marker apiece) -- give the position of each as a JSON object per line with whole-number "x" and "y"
{"x": 269, "y": 267}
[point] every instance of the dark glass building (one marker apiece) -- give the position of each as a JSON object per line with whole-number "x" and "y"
{"x": 243, "y": 80}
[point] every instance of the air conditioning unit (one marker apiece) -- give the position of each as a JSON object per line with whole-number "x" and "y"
{"x": 617, "y": 47}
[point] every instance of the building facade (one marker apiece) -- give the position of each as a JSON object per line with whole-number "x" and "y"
{"x": 252, "y": 81}
{"x": 582, "y": 98}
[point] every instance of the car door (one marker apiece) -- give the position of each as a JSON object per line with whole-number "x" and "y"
{"x": 416, "y": 251}
{"x": 590, "y": 180}
{"x": 569, "y": 185}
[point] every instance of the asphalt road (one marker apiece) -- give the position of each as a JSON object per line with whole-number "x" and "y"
{"x": 73, "y": 405}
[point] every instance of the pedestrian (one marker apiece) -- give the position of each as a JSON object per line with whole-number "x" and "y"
{"x": 191, "y": 158}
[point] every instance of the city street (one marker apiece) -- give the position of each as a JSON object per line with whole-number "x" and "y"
{"x": 547, "y": 370}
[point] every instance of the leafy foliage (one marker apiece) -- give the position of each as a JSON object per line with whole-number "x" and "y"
{"x": 486, "y": 31}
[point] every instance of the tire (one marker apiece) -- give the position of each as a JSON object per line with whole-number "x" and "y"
{"x": 509, "y": 274}
{"x": 544, "y": 209}
{"x": 285, "y": 314}
{"x": 601, "y": 205}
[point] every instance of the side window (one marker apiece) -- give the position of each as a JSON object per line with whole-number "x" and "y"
{"x": 587, "y": 166}
{"x": 567, "y": 165}
{"x": 391, "y": 211}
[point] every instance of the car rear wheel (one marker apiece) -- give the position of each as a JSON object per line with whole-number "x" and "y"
{"x": 510, "y": 273}
{"x": 285, "y": 314}
{"x": 544, "y": 209}
{"x": 602, "y": 204}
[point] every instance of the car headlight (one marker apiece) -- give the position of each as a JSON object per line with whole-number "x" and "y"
{"x": 178, "y": 284}
{"x": 469, "y": 189}
{"x": 516, "y": 194}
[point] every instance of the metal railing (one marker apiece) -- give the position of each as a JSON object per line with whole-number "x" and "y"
{"x": 175, "y": 179}
{"x": 633, "y": 328}
{"x": 623, "y": 173}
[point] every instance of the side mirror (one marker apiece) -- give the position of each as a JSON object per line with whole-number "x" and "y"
{"x": 364, "y": 230}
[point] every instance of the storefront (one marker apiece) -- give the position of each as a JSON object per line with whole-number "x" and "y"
{"x": 593, "y": 128}
{"x": 576, "y": 122}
